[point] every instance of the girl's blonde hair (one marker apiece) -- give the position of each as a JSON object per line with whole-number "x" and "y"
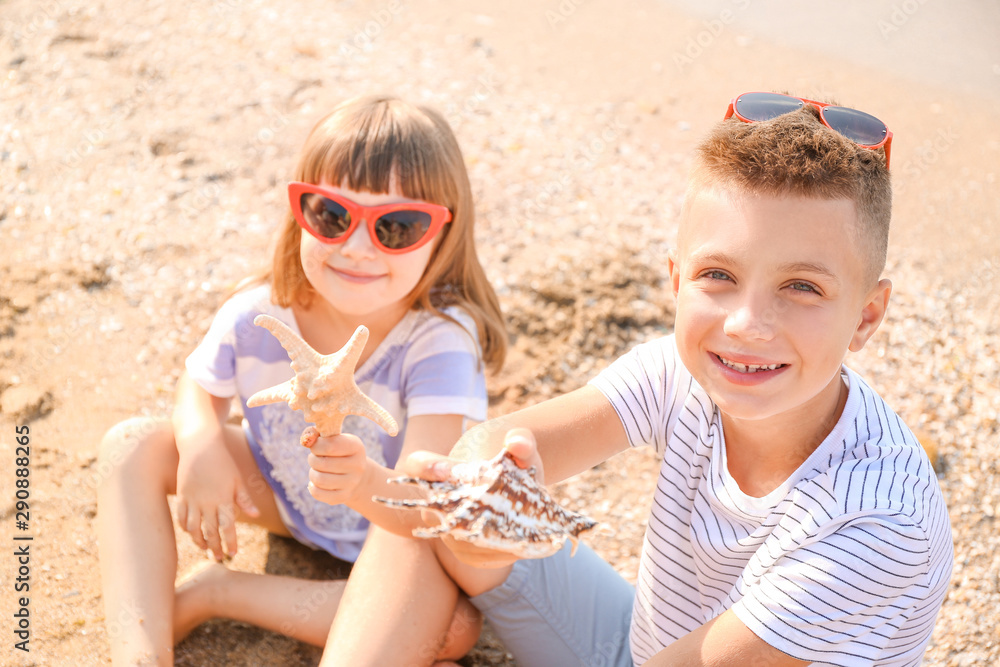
{"x": 363, "y": 144}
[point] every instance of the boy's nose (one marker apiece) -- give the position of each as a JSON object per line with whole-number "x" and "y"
{"x": 752, "y": 318}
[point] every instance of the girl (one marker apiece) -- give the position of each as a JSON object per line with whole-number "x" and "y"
{"x": 383, "y": 197}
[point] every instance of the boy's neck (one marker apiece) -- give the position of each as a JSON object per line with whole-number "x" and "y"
{"x": 762, "y": 454}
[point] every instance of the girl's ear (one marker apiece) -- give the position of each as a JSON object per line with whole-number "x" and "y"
{"x": 872, "y": 314}
{"x": 675, "y": 271}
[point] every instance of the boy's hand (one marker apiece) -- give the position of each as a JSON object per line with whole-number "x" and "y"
{"x": 209, "y": 491}
{"x": 338, "y": 465}
{"x": 436, "y": 468}
{"x": 521, "y": 443}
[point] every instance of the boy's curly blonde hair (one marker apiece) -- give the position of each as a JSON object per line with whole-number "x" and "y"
{"x": 795, "y": 154}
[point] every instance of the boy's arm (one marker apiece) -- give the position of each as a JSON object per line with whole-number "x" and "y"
{"x": 573, "y": 433}
{"x": 722, "y": 642}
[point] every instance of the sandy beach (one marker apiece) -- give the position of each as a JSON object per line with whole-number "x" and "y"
{"x": 144, "y": 152}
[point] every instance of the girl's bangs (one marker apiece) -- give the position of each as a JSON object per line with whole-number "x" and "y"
{"x": 364, "y": 148}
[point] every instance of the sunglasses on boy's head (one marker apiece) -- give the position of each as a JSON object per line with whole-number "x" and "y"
{"x": 394, "y": 228}
{"x": 861, "y": 128}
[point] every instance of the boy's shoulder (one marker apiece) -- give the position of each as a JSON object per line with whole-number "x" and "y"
{"x": 655, "y": 369}
{"x": 655, "y": 357}
{"x": 872, "y": 463}
{"x": 869, "y": 449}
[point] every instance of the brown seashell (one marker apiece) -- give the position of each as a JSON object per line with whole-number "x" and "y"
{"x": 497, "y": 505}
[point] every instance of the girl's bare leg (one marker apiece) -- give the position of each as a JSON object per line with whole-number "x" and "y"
{"x": 400, "y": 608}
{"x": 136, "y": 538}
{"x": 138, "y": 549}
{"x": 145, "y": 615}
{"x": 299, "y": 608}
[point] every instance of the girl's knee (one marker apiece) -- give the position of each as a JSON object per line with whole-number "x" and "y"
{"x": 133, "y": 444}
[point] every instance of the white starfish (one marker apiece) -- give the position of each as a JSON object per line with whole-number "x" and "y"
{"x": 323, "y": 387}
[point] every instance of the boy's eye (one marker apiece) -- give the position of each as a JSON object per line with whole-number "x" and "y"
{"x": 715, "y": 274}
{"x": 804, "y": 287}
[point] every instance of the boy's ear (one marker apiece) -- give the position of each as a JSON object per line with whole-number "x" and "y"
{"x": 872, "y": 314}
{"x": 674, "y": 269}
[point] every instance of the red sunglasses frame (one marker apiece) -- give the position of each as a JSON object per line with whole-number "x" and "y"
{"x": 885, "y": 144}
{"x": 440, "y": 215}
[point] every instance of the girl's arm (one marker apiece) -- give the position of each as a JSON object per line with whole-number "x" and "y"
{"x": 209, "y": 486}
{"x": 342, "y": 473}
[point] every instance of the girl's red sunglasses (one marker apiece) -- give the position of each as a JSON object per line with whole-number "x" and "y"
{"x": 394, "y": 228}
{"x": 861, "y": 128}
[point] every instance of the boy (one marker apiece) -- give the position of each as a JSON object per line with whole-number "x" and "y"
{"x": 796, "y": 520}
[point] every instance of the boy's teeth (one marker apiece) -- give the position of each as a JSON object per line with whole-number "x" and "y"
{"x": 748, "y": 368}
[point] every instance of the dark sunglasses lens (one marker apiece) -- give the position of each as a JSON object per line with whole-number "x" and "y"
{"x": 326, "y": 217}
{"x": 402, "y": 229}
{"x": 859, "y": 127}
{"x": 765, "y": 106}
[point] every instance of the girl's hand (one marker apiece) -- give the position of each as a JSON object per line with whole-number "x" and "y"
{"x": 338, "y": 466}
{"x": 209, "y": 491}
{"x": 433, "y": 467}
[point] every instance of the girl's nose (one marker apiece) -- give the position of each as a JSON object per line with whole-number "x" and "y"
{"x": 752, "y": 318}
{"x": 359, "y": 244}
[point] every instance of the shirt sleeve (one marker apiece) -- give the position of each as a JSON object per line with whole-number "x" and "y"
{"x": 444, "y": 373}
{"x": 843, "y": 599}
{"x": 213, "y": 363}
{"x": 641, "y": 388}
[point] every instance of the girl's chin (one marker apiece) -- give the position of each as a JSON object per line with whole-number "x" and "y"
{"x": 366, "y": 309}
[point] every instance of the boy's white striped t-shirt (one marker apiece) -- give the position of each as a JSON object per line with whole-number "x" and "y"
{"x": 845, "y": 563}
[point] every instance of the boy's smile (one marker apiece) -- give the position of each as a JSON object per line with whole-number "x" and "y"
{"x": 771, "y": 294}
{"x": 748, "y": 372}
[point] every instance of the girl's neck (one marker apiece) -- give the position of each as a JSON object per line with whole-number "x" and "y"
{"x": 327, "y": 330}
